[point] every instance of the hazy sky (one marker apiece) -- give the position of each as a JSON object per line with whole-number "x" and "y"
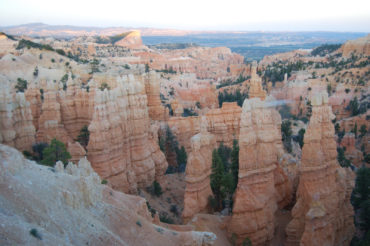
{"x": 264, "y": 15}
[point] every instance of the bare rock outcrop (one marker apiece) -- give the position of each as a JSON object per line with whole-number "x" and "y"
{"x": 323, "y": 213}
{"x": 16, "y": 127}
{"x": 131, "y": 40}
{"x": 262, "y": 185}
{"x": 256, "y": 89}
{"x": 50, "y": 121}
{"x": 224, "y": 122}
{"x": 198, "y": 171}
{"x": 155, "y": 107}
{"x": 359, "y": 46}
{"x": 40, "y": 205}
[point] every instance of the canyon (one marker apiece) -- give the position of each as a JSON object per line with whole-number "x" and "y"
{"x": 143, "y": 107}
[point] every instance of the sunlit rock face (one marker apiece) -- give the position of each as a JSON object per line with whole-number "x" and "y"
{"x": 262, "y": 185}
{"x": 358, "y": 46}
{"x": 323, "y": 213}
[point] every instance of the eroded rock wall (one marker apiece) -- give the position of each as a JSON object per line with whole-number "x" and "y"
{"x": 262, "y": 185}
{"x": 323, "y": 214}
{"x": 198, "y": 171}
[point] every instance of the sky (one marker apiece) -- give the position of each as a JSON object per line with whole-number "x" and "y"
{"x": 232, "y": 15}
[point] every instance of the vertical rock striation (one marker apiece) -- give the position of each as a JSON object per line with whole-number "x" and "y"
{"x": 262, "y": 185}
{"x": 16, "y": 127}
{"x": 323, "y": 214}
{"x": 198, "y": 171}
{"x": 120, "y": 147}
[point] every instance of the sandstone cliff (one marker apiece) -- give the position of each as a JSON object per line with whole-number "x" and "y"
{"x": 224, "y": 122}
{"x": 262, "y": 185}
{"x": 56, "y": 206}
{"x": 256, "y": 89}
{"x": 16, "y": 128}
{"x": 198, "y": 171}
{"x": 322, "y": 214}
{"x": 358, "y": 46}
{"x": 131, "y": 40}
{"x": 120, "y": 146}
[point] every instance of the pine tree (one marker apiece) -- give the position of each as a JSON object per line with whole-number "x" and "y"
{"x": 56, "y": 151}
{"x": 83, "y": 137}
{"x": 235, "y": 163}
{"x": 216, "y": 176}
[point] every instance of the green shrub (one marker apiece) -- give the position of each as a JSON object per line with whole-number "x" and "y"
{"x": 35, "y": 233}
{"x": 163, "y": 217}
{"x": 21, "y": 85}
{"x": 104, "y": 181}
{"x": 286, "y": 133}
{"x": 325, "y": 49}
{"x": 84, "y": 136}
{"x": 104, "y": 86}
{"x": 56, "y": 151}
{"x": 139, "y": 223}
{"x": 155, "y": 189}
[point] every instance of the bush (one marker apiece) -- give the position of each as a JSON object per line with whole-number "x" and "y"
{"x": 155, "y": 189}
{"x": 61, "y": 52}
{"x": 104, "y": 181}
{"x": 285, "y": 112}
{"x": 238, "y": 97}
{"x": 36, "y": 71}
{"x": 163, "y": 217}
{"x": 104, "y": 86}
{"x": 301, "y": 137}
{"x": 189, "y": 112}
{"x": 56, "y": 151}
{"x": 353, "y": 107}
{"x": 174, "y": 210}
{"x": 21, "y": 85}
{"x": 138, "y": 223}
{"x": 38, "y": 149}
{"x": 325, "y": 49}
{"x": 343, "y": 161}
{"x": 286, "y": 133}
{"x": 84, "y": 136}
{"x": 34, "y": 232}
{"x": 27, "y": 43}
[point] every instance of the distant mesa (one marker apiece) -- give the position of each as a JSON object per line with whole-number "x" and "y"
{"x": 131, "y": 40}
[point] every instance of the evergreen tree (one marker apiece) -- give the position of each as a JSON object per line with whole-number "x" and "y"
{"x": 235, "y": 163}
{"x": 56, "y": 151}
{"x": 363, "y": 131}
{"x": 182, "y": 158}
{"x": 217, "y": 176}
{"x": 83, "y": 137}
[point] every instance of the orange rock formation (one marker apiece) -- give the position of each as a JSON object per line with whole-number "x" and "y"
{"x": 323, "y": 214}
{"x": 256, "y": 89}
{"x": 359, "y": 46}
{"x": 224, "y": 122}
{"x": 261, "y": 186}
{"x": 198, "y": 171}
{"x": 120, "y": 144}
{"x": 16, "y": 128}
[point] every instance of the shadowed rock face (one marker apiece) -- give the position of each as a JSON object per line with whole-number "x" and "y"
{"x": 16, "y": 127}
{"x": 71, "y": 207}
{"x": 198, "y": 171}
{"x": 262, "y": 185}
{"x": 323, "y": 214}
{"x": 121, "y": 149}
